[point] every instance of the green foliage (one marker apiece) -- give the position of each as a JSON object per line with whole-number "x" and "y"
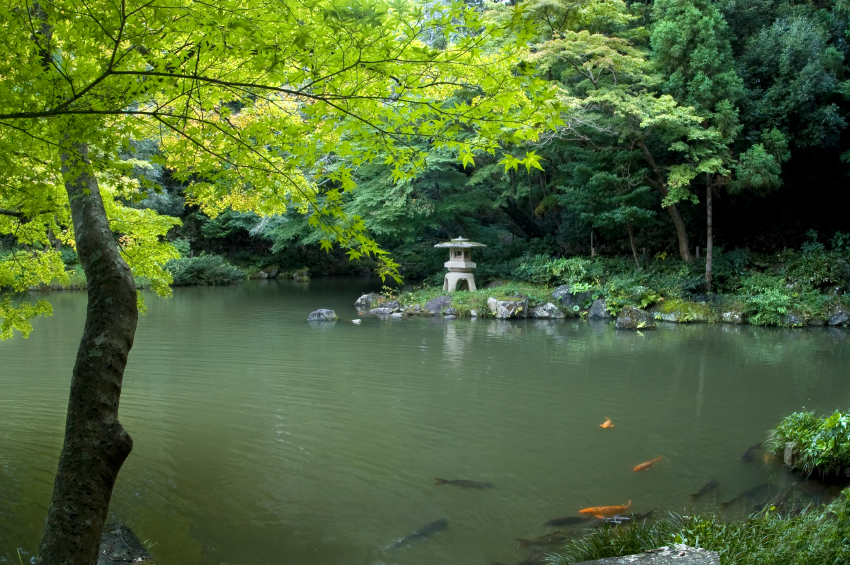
{"x": 815, "y": 536}
{"x": 820, "y": 444}
{"x": 203, "y": 270}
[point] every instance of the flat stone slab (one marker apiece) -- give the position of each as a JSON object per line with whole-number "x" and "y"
{"x": 677, "y": 554}
{"x": 119, "y": 544}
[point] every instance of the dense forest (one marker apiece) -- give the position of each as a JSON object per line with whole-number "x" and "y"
{"x": 678, "y": 115}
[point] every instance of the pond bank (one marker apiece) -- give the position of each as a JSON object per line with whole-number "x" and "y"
{"x": 514, "y": 300}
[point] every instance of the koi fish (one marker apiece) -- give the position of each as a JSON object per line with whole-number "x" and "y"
{"x": 422, "y": 533}
{"x": 565, "y": 521}
{"x": 748, "y": 454}
{"x": 605, "y": 511}
{"x": 646, "y": 465}
{"x": 607, "y": 424}
{"x": 708, "y": 487}
{"x": 549, "y": 539}
{"x": 748, "y": 494}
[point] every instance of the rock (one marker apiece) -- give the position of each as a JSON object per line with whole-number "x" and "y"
{"x": 598, "y": 310}
{"x": 732, "y": 317}
{"x": 681, "y": 311}
{"x": 301, "y": 275}
{"x": 119, "y": 544}
{"x": 437, "y": 305}
{"x": 270, "y": 272}
{"x": 381, "y": 311}
{"x": 450, "y": 317}
{"x": 396, "y": 315}
{"x": 451, "y": 312}
{"x": 495, "y": 284}
{"x": 793, "y": 319}
{"x": 839, "y": 317}
{"x": 473, "y": 313}
{"x": 392, "y": 304}
{"x": 322, "y": 316}
{"x": 548, "y": 310}
{"x": 368, "y": 301}
{"x": 358, "y": 322}
{"x": 631, "y": 318}
{"x": 572, "y": 301}
{"x": 817, "y": 321}
{"x": 508, "y": 308}
{"x": 788, "y": 454}
{"x": 677, "y": 554}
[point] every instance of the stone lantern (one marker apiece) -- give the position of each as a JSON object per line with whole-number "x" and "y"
{"x": 460, "y": 264}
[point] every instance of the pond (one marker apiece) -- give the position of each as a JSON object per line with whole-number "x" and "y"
{"x": 261, "y": 439}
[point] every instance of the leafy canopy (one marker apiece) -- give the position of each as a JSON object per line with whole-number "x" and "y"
{"x": 259, "y": 105}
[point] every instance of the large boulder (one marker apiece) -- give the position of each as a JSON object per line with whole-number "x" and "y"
{"x": 270, "y": 272}
{"x": 301, "y": 275}
{"x": 548, "y": 310}
{"x": 509, "y": 307}
{"x": 322, "y": 316}
{"x": 681, "y": 311}
{"x": 381, "y": 311}
{"x": 437, "y": 305}
{"x": 368, "y": 301}
{"x": 392, "y": 304}
{"x": 565, "y": 297}
{"x": 793, "y": 320}
{"x": 631, "y": 318}
{"x": 598, "y": 310}
{"x": 839, "y": 317}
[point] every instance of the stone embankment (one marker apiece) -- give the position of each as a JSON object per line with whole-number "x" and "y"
{"x": 567, "y": 302}
{"x": 677, "y": 554}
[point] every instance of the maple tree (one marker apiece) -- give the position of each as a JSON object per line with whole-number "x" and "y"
{"x": 262, "y": 106}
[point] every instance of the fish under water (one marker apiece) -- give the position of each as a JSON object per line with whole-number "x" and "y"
{"x": 707, "y": 487}
{"x": 747, "y": 494}
{"x": 463, "y": 483}
{"x": 605, "y": 511}
{"x": 422, "y": 533}
{"x": 647, "y": 464}
{"x": 549, "y": 539}
{"x": 748, "y": 454}
{"x": 607, "y": 423}
{"x": 565, "y": 521}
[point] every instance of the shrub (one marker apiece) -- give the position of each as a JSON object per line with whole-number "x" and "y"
{"x": 821, "y": 444}
{"x": 203, "y": 270}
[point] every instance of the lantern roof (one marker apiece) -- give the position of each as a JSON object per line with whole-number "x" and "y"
{"x": 460, "y": 243}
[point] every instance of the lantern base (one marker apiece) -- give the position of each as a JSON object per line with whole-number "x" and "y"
{"x": 452, "y": 280}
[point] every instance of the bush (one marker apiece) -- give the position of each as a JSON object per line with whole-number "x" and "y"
{"x": 820, "y": 444}
{"x": 203, "y": 270}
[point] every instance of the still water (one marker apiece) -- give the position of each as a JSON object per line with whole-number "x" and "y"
{"x": 261, "y": 439}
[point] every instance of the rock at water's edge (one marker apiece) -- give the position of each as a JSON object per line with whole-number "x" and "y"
{"x": 631, "y": 318}
{"x": 437, "y": 305}
{"x": 675, "y": 310}
{"x": 367, "y": 301}
{"x": 508, "y": 308}
{"x": 322, "y": 316}
{"x": 119, "y": 544}
{"x": 732, "y": 317}
{"x": 381, "y": 311}
{"x": 567, "y": 299}
{"x": 548, "y": 310}
{"x": 598, "y": 310}
{"x": 678, "y": 554}
{"x": 840, "y": 317}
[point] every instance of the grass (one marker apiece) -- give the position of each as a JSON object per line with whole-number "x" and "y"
{"x": 817, "y": 536}
{"x": 821, "y": 445}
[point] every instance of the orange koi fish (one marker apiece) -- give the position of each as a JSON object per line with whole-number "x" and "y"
{"x": 646, "y": 465}
{"x": 605, "y": 511}
{"x": 607, "y": 424}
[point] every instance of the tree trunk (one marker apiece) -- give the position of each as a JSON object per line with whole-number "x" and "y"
{"x": 632, "y": 241}
{"x": 678, "y": 222}
{"x": 96, "y": 444}
{"x": 709, "y": 245}
{"x": 592, "y": 248}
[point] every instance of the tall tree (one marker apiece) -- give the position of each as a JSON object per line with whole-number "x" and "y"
{"x": 263, "y": 105}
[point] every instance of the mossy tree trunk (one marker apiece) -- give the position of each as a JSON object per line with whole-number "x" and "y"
{"x": 95, "y": 444}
